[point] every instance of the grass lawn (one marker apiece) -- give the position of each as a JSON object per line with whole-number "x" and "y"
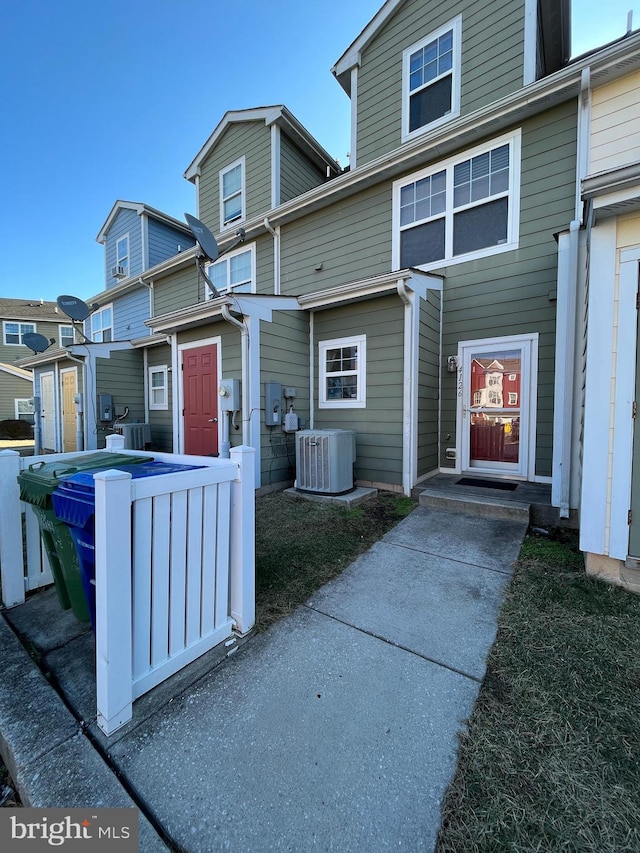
{"x": 551, "y": 760}
{"x": 301, "y": 544}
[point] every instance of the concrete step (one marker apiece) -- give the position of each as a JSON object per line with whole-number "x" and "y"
{"x": 488, "y": 507}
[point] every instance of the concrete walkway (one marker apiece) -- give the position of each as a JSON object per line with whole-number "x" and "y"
{"x": 335, "y": 730}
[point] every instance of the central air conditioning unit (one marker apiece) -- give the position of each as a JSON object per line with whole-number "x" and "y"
{"x": 136, "y": 436}
{"x": 118, "y": 272}
{"x": 325, "y": 460}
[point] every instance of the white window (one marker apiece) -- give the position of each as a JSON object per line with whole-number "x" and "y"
{"x": 235, "y": 272}
{"x": 122, "y": 254}
{"x": 102, "y": 325}
{"x": 431, "y": 80}
{"x": 24, "y": 409}
{"x": 14, "y": 332}
{"x": 232, "y": 194}
{"x": 158, "y": 387}
{"x": 66, "y": 335}
{"x": 343, "y": 379}
{"x": 513, "y": 398}
{"x": 465, "y": 208}
{"x": 494, "y": 398}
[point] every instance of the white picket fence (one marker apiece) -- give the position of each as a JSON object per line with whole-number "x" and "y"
{"x": 175, "y": 567}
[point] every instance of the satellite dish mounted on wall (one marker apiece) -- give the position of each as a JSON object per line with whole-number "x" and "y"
{"x": 76, "y": 310}
{"x": 37, "y": 343}
{"x": 208, "y": 245}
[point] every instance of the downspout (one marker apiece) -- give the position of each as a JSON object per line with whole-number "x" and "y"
{"x": 244, "y": 343}
{"x": 275, "y": 233}
{"x": 408, "y": 432}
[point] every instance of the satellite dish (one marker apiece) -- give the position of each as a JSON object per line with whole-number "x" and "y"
{"x": 37, "y": 343}
{"x": 205, "y": 238}
{"x": 73, "y": 307}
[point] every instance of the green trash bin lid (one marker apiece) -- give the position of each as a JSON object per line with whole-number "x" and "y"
{"x": 39, "y": 481}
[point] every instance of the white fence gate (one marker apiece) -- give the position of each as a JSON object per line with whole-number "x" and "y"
{"x": 175, "y": 567}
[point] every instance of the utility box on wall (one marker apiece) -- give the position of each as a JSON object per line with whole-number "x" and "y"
{"x": 229, "y": 394}
{"x": 272, "y": 404}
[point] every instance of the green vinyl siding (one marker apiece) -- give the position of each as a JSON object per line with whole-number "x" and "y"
{"x": 177, "y": 290}
{"x": 492, "y": 63}
{"x": 122, "y": 376}
{"x": 161, "y": 420}
{"x": 12, "y": 388}
{"x": 513, "y": 293}
{"x": 428, "y": 382}
{"x": 251, "y": 140}
{"x": 352, "y": 240}
{"x": 10, "y": 353}
{"x": 378, "y": 426}
{"x": 284, "y": 346}
{"x": 297, "y": 173}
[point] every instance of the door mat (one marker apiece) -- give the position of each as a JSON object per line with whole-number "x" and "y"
{"x": 487, "y": 484}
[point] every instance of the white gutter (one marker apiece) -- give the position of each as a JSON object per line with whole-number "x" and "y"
{"x": 246, "y": 396}
{"x": 565, "y": 368}
{"x": 409, "y": 445}
{"x": 275, "y": 233}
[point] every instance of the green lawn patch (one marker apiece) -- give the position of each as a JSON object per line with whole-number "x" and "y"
{"x": 301, "y": 544}
{"x": 551, "y": 759}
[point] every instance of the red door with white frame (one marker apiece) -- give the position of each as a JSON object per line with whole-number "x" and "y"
{"x": 200, "y": 400}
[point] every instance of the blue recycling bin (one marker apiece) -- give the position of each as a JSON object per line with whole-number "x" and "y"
{"x": 74, "y": 503}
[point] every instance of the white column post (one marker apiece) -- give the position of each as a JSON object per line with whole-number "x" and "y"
{"x": 242, "y": 556}
{"x": 11, "y": 554}
{"x": 114, "y": 673}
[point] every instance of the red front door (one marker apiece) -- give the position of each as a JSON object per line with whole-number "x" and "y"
{"x": 200, "y": 391}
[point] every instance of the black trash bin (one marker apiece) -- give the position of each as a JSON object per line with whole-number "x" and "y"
{"x": 74, "y": 503}
{"x": 37, "y": 484}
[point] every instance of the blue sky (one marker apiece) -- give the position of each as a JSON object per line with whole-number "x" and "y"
{"x": 113, "y": 100}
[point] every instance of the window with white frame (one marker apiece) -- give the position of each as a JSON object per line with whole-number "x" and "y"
{"x": 513, "y": 398}
{"x": 431, "y": 80}
{"x": 234, "y": 273}
{"x": 465, "y": 208}
{"x": 24, "y": 409}
{"x": 342, "y": 373}
{"x": 232, "y": 193}
{"x": 122, "y": 254}
{"x": 102, "y": 325}
{"x": 158, "y": 387}
{"x": 14, "y": 332}
{"x": 66, "y": 335}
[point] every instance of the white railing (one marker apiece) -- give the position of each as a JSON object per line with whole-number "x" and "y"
{"x": 175, "y": 569}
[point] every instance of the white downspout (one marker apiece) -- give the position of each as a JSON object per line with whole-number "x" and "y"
{"x": 408, "y": 431}
{"x": 275, "y": 233}
{"x": 246, "y": 373}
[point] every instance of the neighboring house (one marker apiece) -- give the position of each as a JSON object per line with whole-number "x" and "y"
{"x": 608, "y": 300}
{"x": 98, "y": 382}
{"x": 21, "y": 317}
{"x": 433, "y": 297}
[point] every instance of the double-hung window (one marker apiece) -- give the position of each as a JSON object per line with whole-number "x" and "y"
{"x": 158, "y": 387}
{"x": 232, "y": 203}
{"x": 102, "y": 325}
{"x": 234, "y": 273}
{"x": 431, "y": 80}
{"x": 342, "y": 373}
{"x": 462, "y": 209}
{"x": 66, "y": 335}
{"x": 14, "y": 332}
{"x": 122, "y": 255}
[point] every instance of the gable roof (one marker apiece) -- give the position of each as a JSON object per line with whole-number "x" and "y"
{"x": 30, "y": 309}
{"x": 555, "y": 37}
{"x": 140, "y": 208}
{"x": 278, "y": 115}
